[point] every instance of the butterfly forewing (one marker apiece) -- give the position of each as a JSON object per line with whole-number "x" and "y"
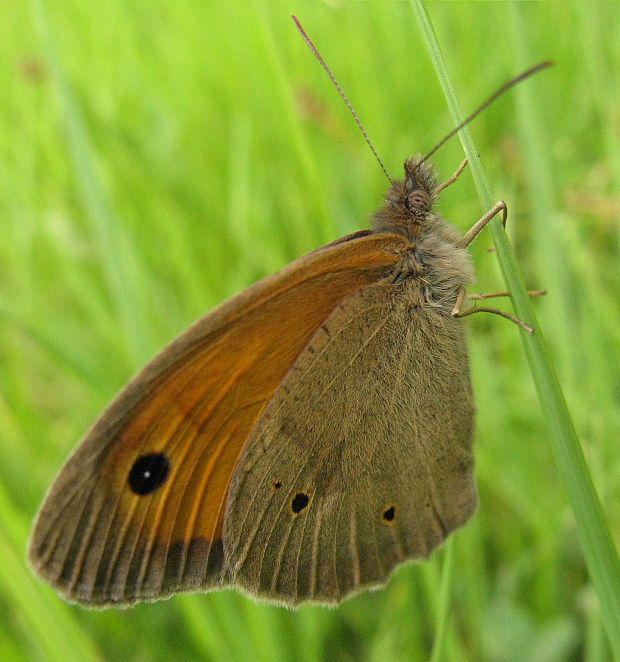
{"x": 137, "y": 511}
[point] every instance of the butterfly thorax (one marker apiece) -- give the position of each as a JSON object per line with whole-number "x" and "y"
{"x": 435, "y": 261}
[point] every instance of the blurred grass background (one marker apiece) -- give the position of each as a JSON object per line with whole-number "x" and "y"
{"x": 156, "y": 158}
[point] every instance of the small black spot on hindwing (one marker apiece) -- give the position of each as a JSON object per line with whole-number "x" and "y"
{"x": 299, "y": 502}
{"x": 389, "y": 514}
{"x": 148, "y": 473}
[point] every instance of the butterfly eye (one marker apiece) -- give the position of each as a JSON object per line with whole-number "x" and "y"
{"x": 148, "y": 473}
{"x": 418, "y": 200}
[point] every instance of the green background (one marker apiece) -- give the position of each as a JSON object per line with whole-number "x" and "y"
{"x": 157, "y": 157}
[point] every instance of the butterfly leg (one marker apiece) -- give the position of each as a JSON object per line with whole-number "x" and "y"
{"x": 478, "y": 226}
{"x": 458, "y": 312}
{"x": 491, "y": 295}
{"x": 452, "y": 179}
{"x": 469, "y": 236}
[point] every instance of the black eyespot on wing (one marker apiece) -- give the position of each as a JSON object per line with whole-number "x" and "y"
{"x": 389, "y": 514}
{"x": 299, "y": 502}
{"x": 148, "y": 473}
{"x": 276, "y": 484}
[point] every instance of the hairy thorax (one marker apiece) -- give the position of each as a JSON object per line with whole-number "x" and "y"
{"x": 434, "y": 265}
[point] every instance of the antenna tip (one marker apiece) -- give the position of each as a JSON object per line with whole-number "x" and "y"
{"x": 538, "y": 67}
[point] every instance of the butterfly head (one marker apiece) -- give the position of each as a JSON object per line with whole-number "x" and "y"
{"x": 408, "y": 201}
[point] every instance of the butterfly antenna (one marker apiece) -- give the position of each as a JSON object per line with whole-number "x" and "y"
{"x": 504, "y": 88}
{"x": 319, "y": 57}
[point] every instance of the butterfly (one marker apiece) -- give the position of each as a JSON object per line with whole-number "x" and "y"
{"x": 299, "y": 442}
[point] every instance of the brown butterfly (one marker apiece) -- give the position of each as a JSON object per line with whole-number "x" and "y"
{"x": 299, "y": 442}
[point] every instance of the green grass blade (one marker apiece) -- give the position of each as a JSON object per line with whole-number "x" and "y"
{"x": 598, "y": 548}
{"x": 447, "y": 578}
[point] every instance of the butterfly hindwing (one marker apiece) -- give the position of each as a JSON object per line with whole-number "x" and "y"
{"x": 356, "y": 464}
